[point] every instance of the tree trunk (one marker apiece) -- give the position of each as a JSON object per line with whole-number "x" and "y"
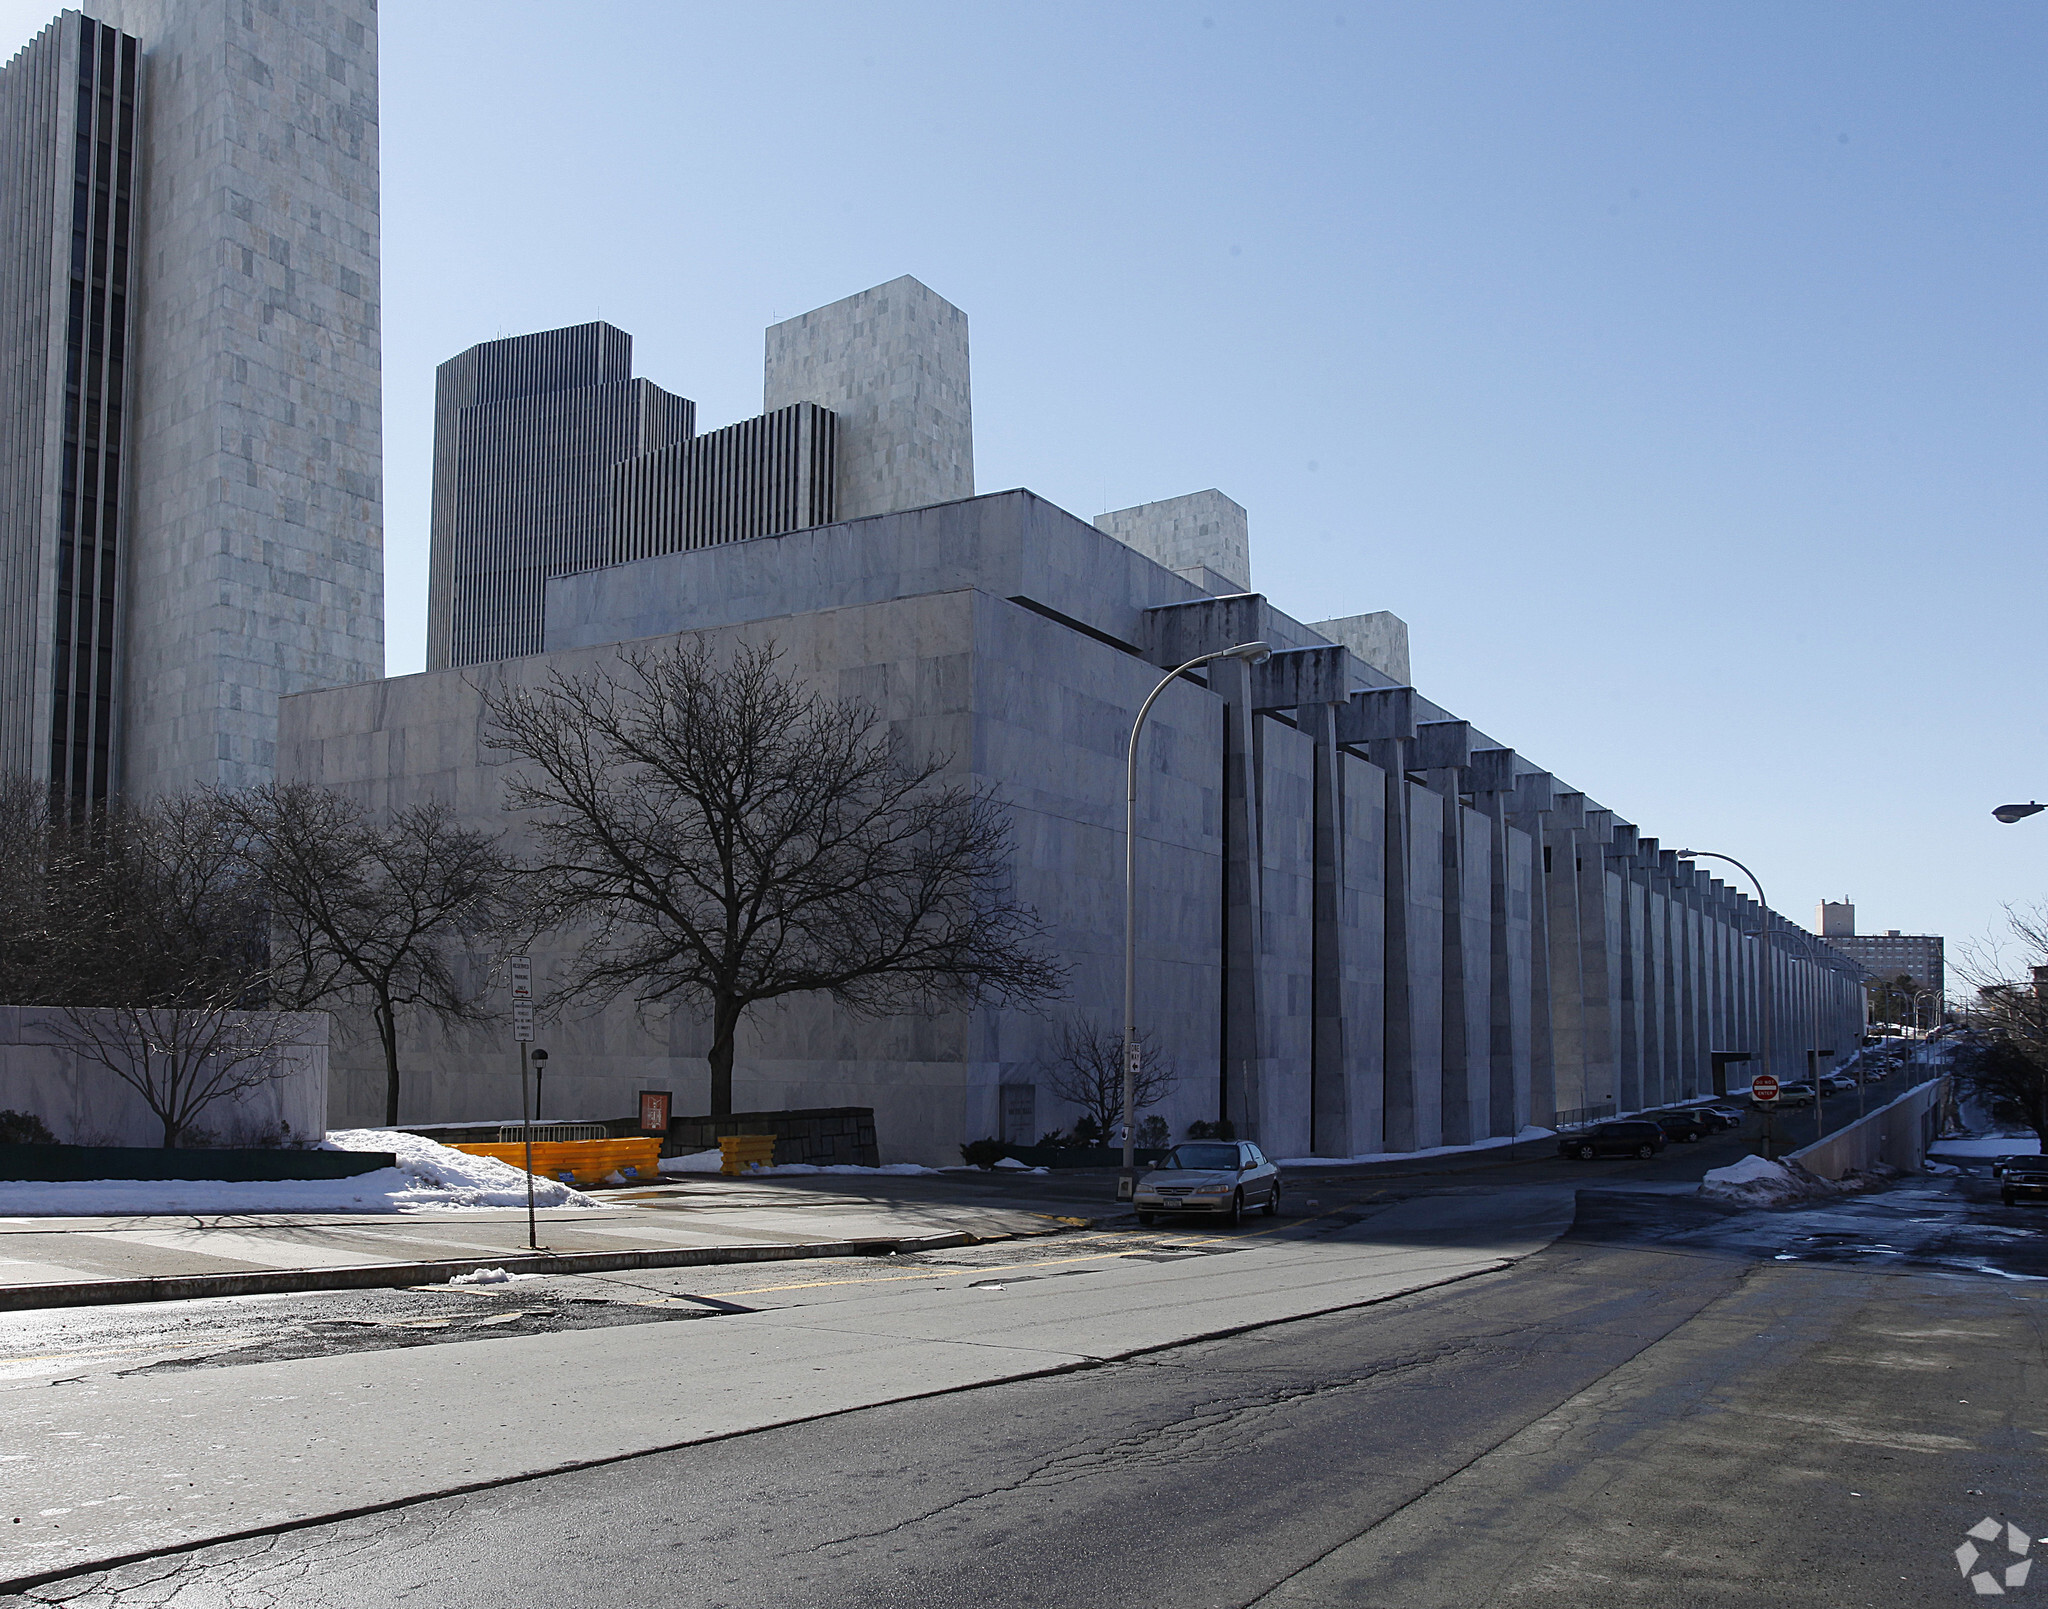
{"x": 725, "y": 1021}
{"x": 387, "y": 1032}
{"x": 170, "y": 1135}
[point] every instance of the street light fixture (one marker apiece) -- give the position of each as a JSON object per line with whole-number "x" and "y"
{"x": 1251, "y": 653}
{"x": 1766, "y": 993}
{"x": 2016, "y": 812}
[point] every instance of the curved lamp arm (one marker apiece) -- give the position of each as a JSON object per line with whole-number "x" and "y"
{"x": 1251, "y": 653}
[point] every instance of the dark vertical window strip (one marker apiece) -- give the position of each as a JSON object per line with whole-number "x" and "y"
{"x": 87, "y": 603}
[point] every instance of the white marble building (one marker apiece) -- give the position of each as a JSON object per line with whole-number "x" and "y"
{"x": 1364, "y": 925}
{"x": 192, "y": 476}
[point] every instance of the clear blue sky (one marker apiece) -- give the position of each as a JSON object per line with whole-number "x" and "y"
{"x": 1674, "y": 370}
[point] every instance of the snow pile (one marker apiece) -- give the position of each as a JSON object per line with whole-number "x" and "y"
{"x": 437, "y": 1177}
{"x": 488, "y": 1276}
{"x": 695, "y": 1162}
{"x": 1755, "y": 1182}
{"x": 1524, "y": 1137}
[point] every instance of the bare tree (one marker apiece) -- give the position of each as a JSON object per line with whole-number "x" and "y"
{"x": 728, "y": 837}
{"x": 2011, "y": 1073}
{"x": 29, "y": 842}
{"x": 181, "y": 1058}
{"x": 372, "y": 912}
{"x": 1088, "y": 1070}
{"x": 125, "y": 905}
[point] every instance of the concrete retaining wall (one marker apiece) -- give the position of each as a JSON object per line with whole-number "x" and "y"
{"x": 84, "y": 1104}
{"x": 1896, "y": 1134}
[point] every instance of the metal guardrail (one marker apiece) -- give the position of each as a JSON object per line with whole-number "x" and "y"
{"x": 552, "y": 1133}
{"x": 1579, "y": 1117}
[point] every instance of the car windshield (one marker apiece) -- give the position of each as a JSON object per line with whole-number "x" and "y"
{"x": 1202, "y": 1156}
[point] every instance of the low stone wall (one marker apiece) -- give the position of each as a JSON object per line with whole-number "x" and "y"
{"x": 822, "y": 1136}
{"x": 1896, "y": 1134}
{"x": 84, "y": 1104}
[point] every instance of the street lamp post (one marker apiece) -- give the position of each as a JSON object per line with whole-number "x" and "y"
{"x": 1252, "y": 653}
{"x": 1766, "y": 992}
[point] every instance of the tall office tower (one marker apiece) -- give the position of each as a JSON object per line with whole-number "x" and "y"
{"x": 526, "y": 433}
{"x": 191, "y": 451}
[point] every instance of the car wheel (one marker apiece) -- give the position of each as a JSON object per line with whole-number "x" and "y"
{"x": 2009, "y": 1201}
{"x": 1147, "y": 1217}
{"x": 1237, "y": 1208}
{"x": 1694, "y": 1137}
{"x": 1272, "y": 1208}
{"x": 1587, "y": 1153}
{"x": 1646, "y": 1150}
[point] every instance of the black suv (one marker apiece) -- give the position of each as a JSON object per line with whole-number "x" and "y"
{"x": 2026, "y": 1179}
{"x": 1630, "y": 1138}
{"x": 1686, "y": 1126}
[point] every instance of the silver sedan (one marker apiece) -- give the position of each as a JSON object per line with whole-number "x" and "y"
{"x": 1210, "y": 1176}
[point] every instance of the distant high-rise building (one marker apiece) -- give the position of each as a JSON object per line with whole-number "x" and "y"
{"x": 527, "y": 431}
{"x": 550, "y": 459}
{"x": 1918, "y": 957}
{"x": 190, "y": 421}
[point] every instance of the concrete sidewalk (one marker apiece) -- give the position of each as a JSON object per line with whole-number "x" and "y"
{"x": 75, "y": 1261}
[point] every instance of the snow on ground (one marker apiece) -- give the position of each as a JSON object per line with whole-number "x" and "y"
{"x": 1996, "y": 1145}
{"x": 443, "y": 1177}
{"x": 429, "y": 1178}
{"x": 695, "y": 1162}
{"x": 1526, "y": 1135}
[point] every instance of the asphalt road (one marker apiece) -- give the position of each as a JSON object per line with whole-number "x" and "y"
{"x": 1675, "y": 1404}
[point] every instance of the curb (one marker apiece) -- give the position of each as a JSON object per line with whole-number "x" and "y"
{"x": 393, "y": 1276}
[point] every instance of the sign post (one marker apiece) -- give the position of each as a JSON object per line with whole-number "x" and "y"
{"x": 1763, "y": 1092}
{"x": 519, "y": 970}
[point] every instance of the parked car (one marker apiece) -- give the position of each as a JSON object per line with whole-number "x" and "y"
{"x": 1792, "y": 1095}
{"x": 1838, "y": 1084}
{"x": 2001, "y": 1165}
{"x": 1627, "y": 1137}
{"x": 1210, "y": 1176}
{"x": 1689, "y": 1127}
{"x": 2026, "y": 1179}
{"x": 1726, "y": 1117}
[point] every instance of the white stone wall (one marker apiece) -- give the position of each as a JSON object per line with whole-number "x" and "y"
{"x": 892, "y": 364}
{"x": 83, "y": 1103}
{"x": 1203, "y": 536}
{"x": 255, "y": 535}
{"x": 1379, "y": 639}
{"x": 1021, "y": 705}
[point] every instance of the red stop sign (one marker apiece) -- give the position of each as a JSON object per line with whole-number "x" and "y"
{"x": 1763, "y": 1087}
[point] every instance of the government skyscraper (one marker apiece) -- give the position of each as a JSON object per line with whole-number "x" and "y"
{"x": 550, "y": 459}
{"x": 191, "y": 515}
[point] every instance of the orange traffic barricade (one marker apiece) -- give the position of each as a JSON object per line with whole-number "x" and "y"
{"x": 740, "y": 1152}
{"x": 581, "y": 1162}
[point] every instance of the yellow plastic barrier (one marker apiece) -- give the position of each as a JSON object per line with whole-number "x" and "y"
{"x": 581, "y": 1162}
{"x": 740, "y": 1152}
